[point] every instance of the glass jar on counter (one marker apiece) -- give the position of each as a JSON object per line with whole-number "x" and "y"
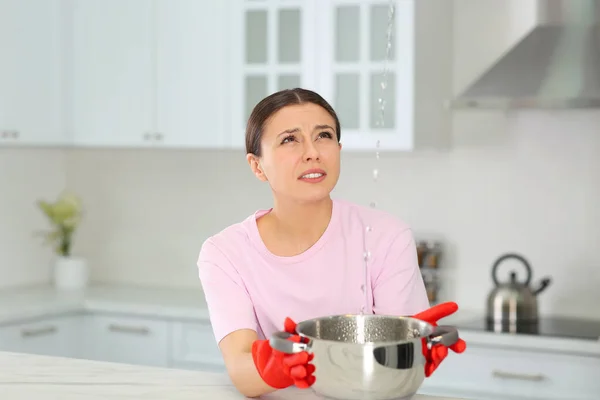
{"x": 429, "y": 254}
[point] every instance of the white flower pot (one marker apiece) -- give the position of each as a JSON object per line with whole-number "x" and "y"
{"x": 71, "y": 273}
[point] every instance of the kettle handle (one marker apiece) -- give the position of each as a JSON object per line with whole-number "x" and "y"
{"x": 506, "y": 257}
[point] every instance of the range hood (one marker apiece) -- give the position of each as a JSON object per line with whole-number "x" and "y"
{"x": 556, "y": 65}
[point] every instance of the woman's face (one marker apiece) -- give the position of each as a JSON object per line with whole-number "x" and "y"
{"x": 300, "y": 153}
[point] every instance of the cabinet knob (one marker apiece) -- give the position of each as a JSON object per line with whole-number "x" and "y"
{"x": 10, "y": 134}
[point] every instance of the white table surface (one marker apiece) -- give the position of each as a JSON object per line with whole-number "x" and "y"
{"x": 32, "y": 377}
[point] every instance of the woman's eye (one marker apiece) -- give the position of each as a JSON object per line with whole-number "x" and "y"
{"x": 325, "y": 135}
{"x": 288, "y": 139}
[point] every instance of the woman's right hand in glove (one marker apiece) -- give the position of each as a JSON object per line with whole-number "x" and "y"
{"x": 280, "y": 370}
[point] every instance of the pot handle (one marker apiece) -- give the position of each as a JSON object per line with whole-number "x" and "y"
{"x": 446, "y": 335}
{"x": 280, "y": 341}
{"x": 403, "y": 355}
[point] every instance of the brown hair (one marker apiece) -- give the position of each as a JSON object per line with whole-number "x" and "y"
{"x": 275, "y": 102}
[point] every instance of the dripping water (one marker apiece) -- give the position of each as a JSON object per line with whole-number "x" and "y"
{"x": 380, "y": 123}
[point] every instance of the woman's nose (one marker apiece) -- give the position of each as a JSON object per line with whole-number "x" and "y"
{"x": 311, "y": 152}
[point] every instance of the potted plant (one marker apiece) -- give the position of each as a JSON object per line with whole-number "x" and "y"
{"x": 64, "y": 215}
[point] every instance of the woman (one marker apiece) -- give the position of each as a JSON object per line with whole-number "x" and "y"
{"x": 304, "y": 257}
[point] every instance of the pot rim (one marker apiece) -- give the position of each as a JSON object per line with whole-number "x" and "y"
{"x": 428, "y": 328}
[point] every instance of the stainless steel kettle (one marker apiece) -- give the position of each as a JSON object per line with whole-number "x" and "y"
{"x": 512, "y": 306}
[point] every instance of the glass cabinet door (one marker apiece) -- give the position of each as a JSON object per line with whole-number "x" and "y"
{"x": 352, "y": 61}
{"x": 273, "y": 49}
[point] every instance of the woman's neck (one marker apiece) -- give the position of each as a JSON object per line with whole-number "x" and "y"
{"x": 291, "y": 228}
{"x": 298, "y": 219}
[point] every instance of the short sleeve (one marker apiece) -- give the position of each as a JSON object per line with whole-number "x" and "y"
{"x": 398, "y": 287}
{"x": 229, "y": 304}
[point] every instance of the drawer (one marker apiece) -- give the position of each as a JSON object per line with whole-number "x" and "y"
{"x": 193, "y": 344}
{"x": 55, "y": 336}
{"x": 126, "y": 339}
{"x": 517, "y": 373}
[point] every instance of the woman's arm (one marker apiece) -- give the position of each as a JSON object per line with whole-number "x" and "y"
{"x": 232, "y": 318}
{"x": 398, "y": 287}
{"x": 236, "y": 349}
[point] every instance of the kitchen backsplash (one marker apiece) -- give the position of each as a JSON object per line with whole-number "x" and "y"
{"x": 528, "y": 184}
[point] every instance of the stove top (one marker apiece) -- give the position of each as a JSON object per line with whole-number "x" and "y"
{"x": 565, "y": 327}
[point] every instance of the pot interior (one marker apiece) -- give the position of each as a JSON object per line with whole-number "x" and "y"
{"x": 363, "y": 329}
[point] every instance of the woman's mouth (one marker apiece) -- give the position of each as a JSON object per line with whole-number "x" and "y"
{"x": 313, "y": 176}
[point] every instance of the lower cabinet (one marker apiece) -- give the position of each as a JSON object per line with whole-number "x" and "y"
{"x": 125, "y": 339}
{"x": 494, "y": 373}
{"x": 193, "y": 346}
{"x": 52, "y": 336}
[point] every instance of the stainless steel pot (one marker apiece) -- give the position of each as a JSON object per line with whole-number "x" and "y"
{"x": 375, "y": 357}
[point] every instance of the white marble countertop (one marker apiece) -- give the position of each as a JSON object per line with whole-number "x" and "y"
{"x": 25, "y": 376}
{"x": 187, "y": 303}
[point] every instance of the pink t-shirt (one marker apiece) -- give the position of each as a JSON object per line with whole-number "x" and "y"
{"x": 248, "y": 287}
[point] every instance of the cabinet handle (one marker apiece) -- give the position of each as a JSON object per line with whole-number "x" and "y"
{"x": 38, "y": 332}
{"x": 129, "y": 329}
{"x": 523, "y": 377}
{"x": 10, "y": 134}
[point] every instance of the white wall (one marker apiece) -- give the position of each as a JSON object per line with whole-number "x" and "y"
{"x": 534, "y": 191}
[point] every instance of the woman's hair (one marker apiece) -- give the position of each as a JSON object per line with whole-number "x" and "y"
{"x": 275, "y": 102}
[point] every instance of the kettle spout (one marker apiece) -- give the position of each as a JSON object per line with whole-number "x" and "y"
{"x": 543, "y": 285}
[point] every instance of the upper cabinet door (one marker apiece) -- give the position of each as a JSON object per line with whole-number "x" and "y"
{"x": 191, "y": 74}
{"x": 272, "y": 48}
{"x": 113, "y": 73}
{"x": 404, "y": 108}
{"x": 31, "y": 72}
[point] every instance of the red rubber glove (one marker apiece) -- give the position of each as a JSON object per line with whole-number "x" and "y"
{"x": 437, "y": 354}
{"x": 280, "y": 370}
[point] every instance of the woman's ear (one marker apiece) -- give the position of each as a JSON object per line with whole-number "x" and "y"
{"x": 255, "y": 166}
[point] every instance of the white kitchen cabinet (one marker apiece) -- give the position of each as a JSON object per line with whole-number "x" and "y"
{"x": 32, "y": 42}
{"x": 53, "y": 336}
{"x": 490, "y": 373}
{"x": 191, "y": 77}
{"x": 149, "y": 73}
{"x": 193, "y": 346}
{"x": 272, "y": 47}
{"x": 113, "y": 73}
{"x": 338, "y": 48}
{"x": 126, "y": 339}
{"x": 351, "y": 60}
